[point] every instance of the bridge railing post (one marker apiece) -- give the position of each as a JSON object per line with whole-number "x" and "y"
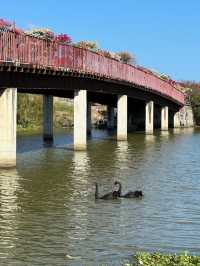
{"x": 8, "y": 114}
{"x": 122, "y": 109}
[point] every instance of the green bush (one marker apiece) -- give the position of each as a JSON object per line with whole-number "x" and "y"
{"x": 195, "y": 102}
{"x": 90, "y": 45}
{"x": 157, "y": 259}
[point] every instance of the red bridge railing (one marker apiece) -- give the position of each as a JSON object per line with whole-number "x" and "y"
{"x": 39, "y": 53}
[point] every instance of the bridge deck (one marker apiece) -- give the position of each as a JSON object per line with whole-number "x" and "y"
{"x": 24, "y": 50}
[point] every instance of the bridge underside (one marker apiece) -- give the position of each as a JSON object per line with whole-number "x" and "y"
{"x": 100, "y": 90}
{"x": 140, "y": 107}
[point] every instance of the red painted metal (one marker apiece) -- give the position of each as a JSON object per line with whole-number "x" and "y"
{"x": 23, "y": 49}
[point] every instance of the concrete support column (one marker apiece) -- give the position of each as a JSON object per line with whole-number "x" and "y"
{"x": 164, "y": 118}
{"x": 89, "y": 118}
{"x": 110, "y": 117}
{"x": 80, "y": 119}
{"x": 48, "y": 118}
{"x": 8, "y": 111}
{"x": 149, "y": 117}
{"x": 122, "y": 110}
{"x": 177, "y": 122}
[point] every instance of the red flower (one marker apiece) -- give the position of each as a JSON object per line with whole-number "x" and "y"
{"x": 62, "y": 38}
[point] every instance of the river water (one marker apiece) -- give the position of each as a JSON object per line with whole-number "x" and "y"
{"x": 48, "y": 215}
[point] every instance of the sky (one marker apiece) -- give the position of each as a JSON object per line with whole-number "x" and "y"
{"x": 163, "y": 35}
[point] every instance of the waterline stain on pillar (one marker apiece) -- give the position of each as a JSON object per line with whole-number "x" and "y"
{"x": 8, "y": 112}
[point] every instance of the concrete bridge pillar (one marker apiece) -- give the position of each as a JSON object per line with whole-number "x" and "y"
{"x": 89, "y": 118}
{"x": 48, "y": 118}
{"x": 149, "y": 117}
{"x": 122, "y": 110}
{"x": 177, "y": 121}
{"x": 164, "y": 118}
{"x": 110, "y": 117}
{"x": 80, "y": 119}
{"x": 8, "y": 111}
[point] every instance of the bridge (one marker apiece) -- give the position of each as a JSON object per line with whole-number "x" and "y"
{"x": 32, "y": 65}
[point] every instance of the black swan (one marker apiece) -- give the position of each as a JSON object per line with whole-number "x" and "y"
{"x": 130, "y": 194}
{"x": 110, "y": 195}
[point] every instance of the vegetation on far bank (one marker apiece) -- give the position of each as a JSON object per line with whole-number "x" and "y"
{"x": 30, "y": 112}
{"x": 192, "y": 90}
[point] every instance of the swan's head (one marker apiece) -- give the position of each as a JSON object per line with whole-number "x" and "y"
{"x": 117, "y": 186}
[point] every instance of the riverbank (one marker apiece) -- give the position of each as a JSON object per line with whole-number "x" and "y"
{"x": 30, "y": 113}
{"x": 158, "y": 259}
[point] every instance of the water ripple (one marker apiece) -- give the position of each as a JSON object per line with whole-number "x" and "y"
{"x": 48, "y": 215}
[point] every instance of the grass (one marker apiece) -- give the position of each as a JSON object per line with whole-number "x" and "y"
{"x": 64, "y": 107}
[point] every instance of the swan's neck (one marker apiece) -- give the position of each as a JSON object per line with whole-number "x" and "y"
{"x": 96, "y": 191}
{"x": 120, "y": 189}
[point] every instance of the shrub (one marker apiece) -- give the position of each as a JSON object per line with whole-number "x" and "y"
{"x": 126, "y": 57}
{"x": 107, "y": 54}
{"x": 146, "y": 259}
{"x": 41, "y": 33}
{"x": 115, "y": 56}
{"x": 90, "y": 45}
